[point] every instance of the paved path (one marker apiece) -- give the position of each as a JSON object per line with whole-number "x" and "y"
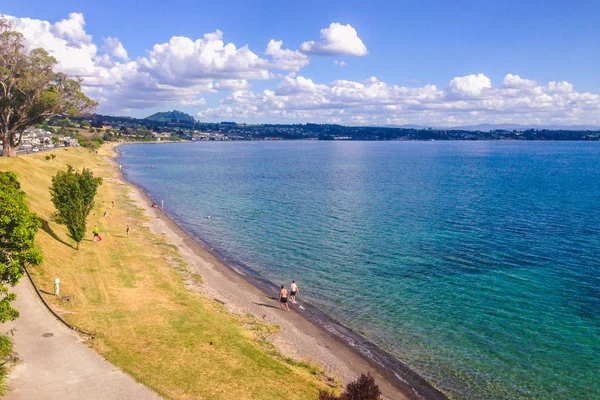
{"x": 55, "y": 364}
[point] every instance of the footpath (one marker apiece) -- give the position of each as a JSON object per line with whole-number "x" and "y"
{"x": 54, "y": 361}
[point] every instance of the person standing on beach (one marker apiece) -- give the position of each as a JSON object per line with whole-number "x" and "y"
{"x": 96, "y": 233}
{"x": 162, "y": 204}
{"x": 293, "y": 290}
{"x": 283, "y": 298}
{"x": 127, "y": 230}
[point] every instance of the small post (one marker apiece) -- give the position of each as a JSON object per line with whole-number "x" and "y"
{"x": 57, "y": 287}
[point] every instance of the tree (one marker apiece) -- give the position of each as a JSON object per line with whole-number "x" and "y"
{"x": 18, "y": 227}
{"x": 364, "y": 388}
{"x": 30, "y": 91}
{"x": 73, "y": 196}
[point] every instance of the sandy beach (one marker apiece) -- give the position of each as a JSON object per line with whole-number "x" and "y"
{"x": 298, "y": 338}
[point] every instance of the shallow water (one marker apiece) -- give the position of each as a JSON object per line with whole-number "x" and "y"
{"x": 475, "y": 263}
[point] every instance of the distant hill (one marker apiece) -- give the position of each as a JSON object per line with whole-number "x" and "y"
{"x": 408, "y": 126}
{"x": 503, "y": 127}
{"x": 171, "y": 116}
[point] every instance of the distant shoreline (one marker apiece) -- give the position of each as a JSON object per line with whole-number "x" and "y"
{"x": 348, "y": 347}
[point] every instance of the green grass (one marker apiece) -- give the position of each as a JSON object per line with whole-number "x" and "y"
{"x": 131, "y": 293}
{"x": 5, "y": 351}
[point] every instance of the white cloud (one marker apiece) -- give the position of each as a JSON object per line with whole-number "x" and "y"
{"x": 231, "y": 84}
{"x": 66, "y": 40}
{"x": 516, "y": 82}
{"x": 291, "y": 60}
{"x": 72, "y": 29}
{"x": 196, "y": 103}
{"x": 560, "y": 87}
{"x": 293, "y": 85}
{"x": 338, "y": 39}
{"x": 174, "y": 71}
{"x": 467, "y": 100}
{"x": 182, "y": 60}
{"x": 114, "y": 47}
{"x": 338, "y": 63}
{"x": 182, "y": 70}
{"x": 470, "y": 85}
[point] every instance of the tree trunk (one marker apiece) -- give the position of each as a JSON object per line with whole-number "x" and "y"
{"x": 77, "y": 245}
{"x": 8, "y": 150}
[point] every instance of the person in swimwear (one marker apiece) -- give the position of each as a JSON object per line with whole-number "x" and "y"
{"x": 293, "y": 290}
{"x": 283, "y": 299}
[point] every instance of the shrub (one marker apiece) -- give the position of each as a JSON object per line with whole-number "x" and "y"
{"x": 18, "y": 227}
{"x": 73, "y": 196}
{"x": 364, "y": 388}
{"x": 48, "y": 158}
{"x": 53, "y": 156}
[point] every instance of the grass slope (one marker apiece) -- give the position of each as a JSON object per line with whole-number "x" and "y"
{"x": 131, "y": 293}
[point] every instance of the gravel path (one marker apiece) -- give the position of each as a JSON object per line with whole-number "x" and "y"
{"x": 55, "y": 363}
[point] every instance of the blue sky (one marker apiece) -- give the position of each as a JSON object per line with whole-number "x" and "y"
{"x": 410, "y": 44}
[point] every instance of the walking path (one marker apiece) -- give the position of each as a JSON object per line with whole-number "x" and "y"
{"x": 55, "y": 363}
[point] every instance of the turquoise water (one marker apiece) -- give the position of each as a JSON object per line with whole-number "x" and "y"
{"x": 475, "y": 263}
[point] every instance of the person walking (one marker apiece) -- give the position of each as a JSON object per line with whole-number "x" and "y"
{"x": 283, "y": 299}
{"x": 293, "y": 290}
{"x": 96, "y": 233}
{"x": 127, "y": 230}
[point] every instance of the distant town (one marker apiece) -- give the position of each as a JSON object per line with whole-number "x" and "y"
{"x": 92, "y": 131}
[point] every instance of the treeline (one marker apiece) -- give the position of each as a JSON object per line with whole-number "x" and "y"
{"x": 143, "y": 129}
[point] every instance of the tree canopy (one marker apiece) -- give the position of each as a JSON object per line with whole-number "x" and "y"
{"x": 73, "y": 196}
{"x": 30, "y": 90}
{"x": 18, "y": 227}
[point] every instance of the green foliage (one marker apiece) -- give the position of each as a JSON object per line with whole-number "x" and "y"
{"x": 33, "y": 92}
{"x": 91, "y": 143}
{"x": 364, "y": 388}
{"x": 53, "y": 156}
{"x": 73, "y": 196}
{"x": 18, "y": 227}
{"x": 5, "y": 356}
{"x": 48, "y": 158}
{"x": 5, "y": 345}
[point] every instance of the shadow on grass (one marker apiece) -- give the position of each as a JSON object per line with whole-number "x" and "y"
{"x": 46, "y": 228}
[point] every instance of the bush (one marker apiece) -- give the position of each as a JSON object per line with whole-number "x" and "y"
{"x": 48, "y": 158}
{"x": 364, "y": 388}
{"x": 18, "y": 227}
{"x": 73, "y": 196}
{"x": 53, "y": 156}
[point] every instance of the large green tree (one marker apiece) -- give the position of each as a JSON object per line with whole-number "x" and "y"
{"x": 18, "y": 227}
{"x": 30, "y": 90}
{"x": 73, "y": 196}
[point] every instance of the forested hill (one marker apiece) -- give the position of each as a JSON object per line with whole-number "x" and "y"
{"x": 171, "y": 116}
{"x": 127, "y": 127}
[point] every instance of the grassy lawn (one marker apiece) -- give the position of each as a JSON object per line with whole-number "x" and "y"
{"x": 131, "y": 293}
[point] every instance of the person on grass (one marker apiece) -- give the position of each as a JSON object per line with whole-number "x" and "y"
{"x": 293, "y": 290}
{"x": 96, "y": 233}
{"x": 283, "y": 298}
